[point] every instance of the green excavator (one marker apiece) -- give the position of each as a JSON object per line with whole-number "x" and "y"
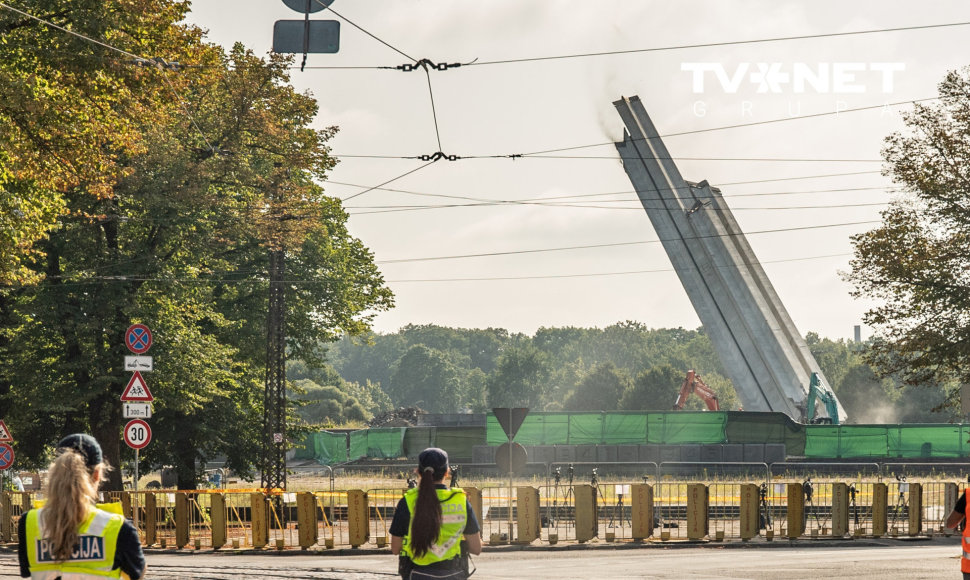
{"x": 817, "y": 391}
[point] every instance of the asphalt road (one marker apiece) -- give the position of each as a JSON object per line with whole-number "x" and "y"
{"x": 935, "y": 560}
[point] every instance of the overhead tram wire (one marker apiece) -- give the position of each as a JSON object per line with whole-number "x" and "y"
{"x": 573, "y": 205}
{"x": 726, "y": 127}
{"x": 360, "y": 28}
{"x": 719, "y": 44}
{"x": 599, "y": 274}
{"x": 136, "y": 58}
{"x": 618, "y": 244}
{"x": 544, "y": 153}
{"x": 890, "y": 189}
{"x": 653, "y": 49}
{"x": 416, "y": 169}
{"x": 614, "y": 157}
{"x": 65, "y": 280}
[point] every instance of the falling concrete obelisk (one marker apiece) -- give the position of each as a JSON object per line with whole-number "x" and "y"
{"x": 764, "y": 355}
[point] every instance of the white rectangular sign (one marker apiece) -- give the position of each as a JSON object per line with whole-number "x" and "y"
{"x": 141, "y": 364}
{"x": 138, "y": 410}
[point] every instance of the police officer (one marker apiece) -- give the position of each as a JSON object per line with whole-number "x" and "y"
{"x": 71, "y": 537}
{"x": 430, "y": 522}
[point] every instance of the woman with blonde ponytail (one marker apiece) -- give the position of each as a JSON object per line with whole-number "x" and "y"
{"x": 70, "y": 537}
{"x": 430, "y": 523}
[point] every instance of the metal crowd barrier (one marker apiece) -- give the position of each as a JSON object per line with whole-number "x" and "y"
{"x": 664, "y": 509}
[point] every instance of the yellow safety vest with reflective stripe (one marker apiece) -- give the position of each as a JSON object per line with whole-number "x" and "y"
{"x": 965, "y": 559}
{"x": 93, "y": 555}
{"x": 454, "y": 516}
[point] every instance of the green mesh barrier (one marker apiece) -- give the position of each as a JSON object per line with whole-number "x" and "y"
{"x": 380, "y": 443}
{"x": 305, "y": 450}
{"x": 765, "y": 427}
{"x": 624, "y": 429}
{"x": 417, "y": 439}
{"x": 358, "y": 444}
{"x": 910, "y": 441}
{"x": 586, "y": 429}
{"x": 822, "y": 441}
{"x": 592, "y": 428}
{"x": 459, "y": 441}
{"x": 863, "y": 441}
{"x": 886, "y": 441}
{"x": 325, "y": 447}
{"x": 536, "y": 429}
{"x": 686, "y": 427}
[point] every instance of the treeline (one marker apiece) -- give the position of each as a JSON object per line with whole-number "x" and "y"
{"x": 626, "y": 366}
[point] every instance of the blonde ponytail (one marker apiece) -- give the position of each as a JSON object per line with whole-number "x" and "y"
{"x": 71, "y": 493}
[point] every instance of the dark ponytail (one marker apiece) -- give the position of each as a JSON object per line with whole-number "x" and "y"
{"x": 426, "y": 519}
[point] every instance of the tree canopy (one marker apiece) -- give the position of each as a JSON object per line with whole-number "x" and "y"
{"x": 916, "y": 264}
{"x": 158, "y": 195}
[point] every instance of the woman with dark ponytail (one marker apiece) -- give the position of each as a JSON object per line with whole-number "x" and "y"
{"x": 430, "y": 523}
{"x": 70, "y": 536}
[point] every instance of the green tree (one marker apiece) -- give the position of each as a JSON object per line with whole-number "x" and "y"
{"x": 425, "y": 378}
{"x": 177, "y": 237}
{"x": 915, "y": 263}
{"x": 519, "y": 378}
{"x": 654, "y": 389}
{"x": 600, "y": 390}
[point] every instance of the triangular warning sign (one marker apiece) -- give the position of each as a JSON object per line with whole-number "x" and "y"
{"x": 4, "y": 433}
{"x": 137, "y": 389}
{"x": 510, "y": 419}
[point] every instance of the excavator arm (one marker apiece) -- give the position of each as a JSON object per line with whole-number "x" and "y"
{"x": 694, "y": 384}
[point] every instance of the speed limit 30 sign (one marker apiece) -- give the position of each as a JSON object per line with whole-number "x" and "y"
{"x": 137, "y": 434}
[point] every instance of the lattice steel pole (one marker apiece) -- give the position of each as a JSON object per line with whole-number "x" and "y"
{"x": 274, "y": 398}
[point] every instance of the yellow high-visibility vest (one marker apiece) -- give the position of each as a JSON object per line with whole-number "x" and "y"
{"x": 454, "y": 516}
{"x": 93, "y": 556}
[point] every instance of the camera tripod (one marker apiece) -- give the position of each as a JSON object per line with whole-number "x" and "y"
{"x": 852, "y": 505}
{"x": 764, "y": 518}
{"x": 900, "y": 506}
{"x": 809, "y": 490}
{"x": 566, "y": 490}
{"x": 617, "y": 513}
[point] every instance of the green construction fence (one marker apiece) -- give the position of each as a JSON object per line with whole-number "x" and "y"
{"x": 910, "y": 441}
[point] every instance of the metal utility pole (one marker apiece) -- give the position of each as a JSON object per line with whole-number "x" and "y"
{"x": 273, "y": 455}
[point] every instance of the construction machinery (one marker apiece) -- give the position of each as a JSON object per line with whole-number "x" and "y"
{"x": 694, "y": 384}
{"x": 816, "y": 391}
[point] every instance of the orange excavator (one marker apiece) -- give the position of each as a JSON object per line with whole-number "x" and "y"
{"x": 694, "y": 384}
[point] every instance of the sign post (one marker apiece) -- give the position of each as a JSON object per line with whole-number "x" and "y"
{"x": 137, "y": 399}
{"x": 6, "y": 451}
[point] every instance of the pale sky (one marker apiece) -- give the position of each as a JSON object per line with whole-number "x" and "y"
{"x": 503, "y": 109}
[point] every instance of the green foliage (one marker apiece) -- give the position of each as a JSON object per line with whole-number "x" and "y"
{"x": 600, "y": 390}
{"x": 425, "y": 378}
{"x": 519, "y": 378}
{"x": 576, "y": 368}
{"x": 654, "y": 389}
{"x": 915, "y": 264}
{"x": 169, "y": 190}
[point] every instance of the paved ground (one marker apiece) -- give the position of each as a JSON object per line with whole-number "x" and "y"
{"x": 930, "y": 560}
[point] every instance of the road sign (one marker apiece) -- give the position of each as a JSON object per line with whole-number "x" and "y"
{"x": 308, "y": 6}
{"x": 6, "y": 456}
{"x": 137, "y": 434}
{"x": 137, "y": 410}
{"x": 141, "y": 364}
{"x": 306, "y": 36}
{"x": 4, "y": 432}
{"x": 138, "y": 338}
{"x": 510, "y": 419}
{"x": 137, "y": 390}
